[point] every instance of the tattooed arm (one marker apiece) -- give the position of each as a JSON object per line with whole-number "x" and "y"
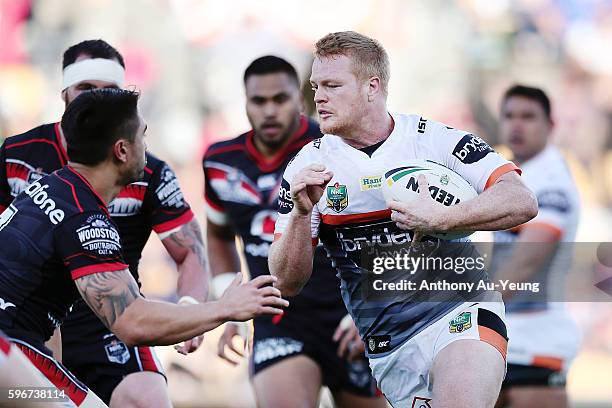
{"x": 186, "y": 248}
{"x": 115, "y": 299}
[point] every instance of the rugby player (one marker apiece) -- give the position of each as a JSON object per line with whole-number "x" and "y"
{"x": 59, "y": 242}
{"x": 413, "y": 347}
{"x": 307, "y": 346}
{"x": 113, "y": 370}
{"x": 544, "y": 338}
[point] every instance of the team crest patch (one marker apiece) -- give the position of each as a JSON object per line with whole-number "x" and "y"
{"x": 337, "y": 197}
{"x": 371, "y": 344}
{"x": 117, "y": 352}
{"x": 461, "y": 322}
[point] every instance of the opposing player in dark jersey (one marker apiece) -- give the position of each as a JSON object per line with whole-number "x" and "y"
{"x": 154, "y": 202}
{"x": 59, "y": 242}
{"x": 307, "y": 346}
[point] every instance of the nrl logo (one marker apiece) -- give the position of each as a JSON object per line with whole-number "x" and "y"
{"x": 461, "y": 322}
{"x": 337, "y": 197}
{"x": 371, "y": 344}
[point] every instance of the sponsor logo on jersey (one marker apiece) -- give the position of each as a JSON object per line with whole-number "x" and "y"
{"x": 421, "y": 126}
{"x": 337, "y": 197}
{"x": 379, "y": 344}
{"x": 316, "y": 144}
{"x": 471, "y": 149}
{"x": 385, "y": 238}
{"x": 5, "y": 305}
{"x": 169, "y": 192}
{"x": 117, "y": 352}
{"x": 285, "y": 205}
{"x": 99, "y": 235}
{"x": 460, "y": 322}
{"x": 41, "y": 198}
{"x": 274, "y": 347}
{"x": 370, "y": 183}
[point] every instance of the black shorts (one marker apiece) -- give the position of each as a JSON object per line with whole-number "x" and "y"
{"x": 97, "y": 357}
{"x": 310, "y": 334}
{"x": 525, "y": 375}
{"x": 55, "y": 372}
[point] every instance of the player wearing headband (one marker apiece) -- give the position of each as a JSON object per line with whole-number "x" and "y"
{"x": 116, "y": 372}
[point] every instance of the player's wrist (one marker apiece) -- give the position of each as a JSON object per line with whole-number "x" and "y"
{"x": 300, "y": 213}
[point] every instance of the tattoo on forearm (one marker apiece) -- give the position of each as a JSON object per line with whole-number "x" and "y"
{"x": 108, "y": 294}
{"x": 190, "y": 237}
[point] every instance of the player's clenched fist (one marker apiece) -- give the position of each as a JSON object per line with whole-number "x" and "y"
{"x": 307, "y": 187}
{"x": 244, "y": 301}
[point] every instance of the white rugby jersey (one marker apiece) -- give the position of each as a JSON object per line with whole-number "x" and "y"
{"x": 549, "y": 177}
{"x": 352, "y": 213}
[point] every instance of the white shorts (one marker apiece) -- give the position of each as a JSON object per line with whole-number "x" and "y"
{"x": 548, "y": 339}
{"x": 403, "y": 375}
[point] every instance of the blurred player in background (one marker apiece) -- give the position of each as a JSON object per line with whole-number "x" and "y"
{"x": 543, "y": 337}
{"x": 60, "y": 242}
{"x": 449, "y": 353}
{"x": 113, "y": 370}
{"x": 293, "y": 354}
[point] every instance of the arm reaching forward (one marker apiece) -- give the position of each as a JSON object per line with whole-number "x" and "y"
{"x": 115, "y": 299}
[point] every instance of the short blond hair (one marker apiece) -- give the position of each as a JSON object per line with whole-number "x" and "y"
{"x": 369, "y": 56}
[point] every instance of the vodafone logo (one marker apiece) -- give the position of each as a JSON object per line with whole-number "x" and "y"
{"x": 263, "y": 223}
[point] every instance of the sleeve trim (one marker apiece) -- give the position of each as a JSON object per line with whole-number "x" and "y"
{"x": 175, "y": 223}
{"x": 555, "y": 230}
{"x": 218, "y": 217}
{"x": 97, "y": 268}
{"x": 500, "y": 171}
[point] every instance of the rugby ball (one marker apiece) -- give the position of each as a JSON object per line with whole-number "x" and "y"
{"x": 445, "y": 186}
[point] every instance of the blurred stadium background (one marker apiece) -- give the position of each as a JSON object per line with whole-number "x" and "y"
{"x": 450, "y": 60}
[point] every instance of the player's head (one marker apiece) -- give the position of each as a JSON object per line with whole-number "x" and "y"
{"x": 91, "y": 64}
{"x": 350, "y": 76}
{"x": 273, "y": 99}
{"x": 526, "y": 122}
{"x": 103, "y": 126}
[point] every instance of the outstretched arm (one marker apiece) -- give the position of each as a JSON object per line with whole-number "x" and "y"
{"x": 115, "y": 299}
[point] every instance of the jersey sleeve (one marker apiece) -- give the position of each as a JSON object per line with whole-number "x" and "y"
{"x": 554, "y": 207}
{"x": 165, "y": 202}
{"x": 214, "y": 178}
{"x": 89, "y": 243}
{"x": 285, "y": 205}
{"x": 5, "y": 191}
{"x": 470, "y": 156}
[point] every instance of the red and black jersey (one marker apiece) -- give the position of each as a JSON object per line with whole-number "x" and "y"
{"x": 57, "y": 230}
{"x": 241, "y": 191}
{"x": 153, "y": 203}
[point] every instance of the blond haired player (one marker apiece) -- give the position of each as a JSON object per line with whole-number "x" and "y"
{"x": 413, "y": 347}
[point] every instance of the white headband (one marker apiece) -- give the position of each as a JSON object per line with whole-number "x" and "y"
{"x": 97, "y": 69}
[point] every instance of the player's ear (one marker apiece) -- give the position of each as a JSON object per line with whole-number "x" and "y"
{"x": 120, "y": 150}
{"x": 64, "y": 95}
{"x": 374, "y": 88}
{"x": 302, "y": 104}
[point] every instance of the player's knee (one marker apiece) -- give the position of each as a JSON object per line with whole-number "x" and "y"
{"x": 141, "y": 390}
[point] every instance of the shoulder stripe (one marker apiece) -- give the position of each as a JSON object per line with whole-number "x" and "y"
{"x": 52, "y": 143}
{"x": 331, "y": 219}
{"x": 97, "y": 268}
{"x": 74, "y": 195}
